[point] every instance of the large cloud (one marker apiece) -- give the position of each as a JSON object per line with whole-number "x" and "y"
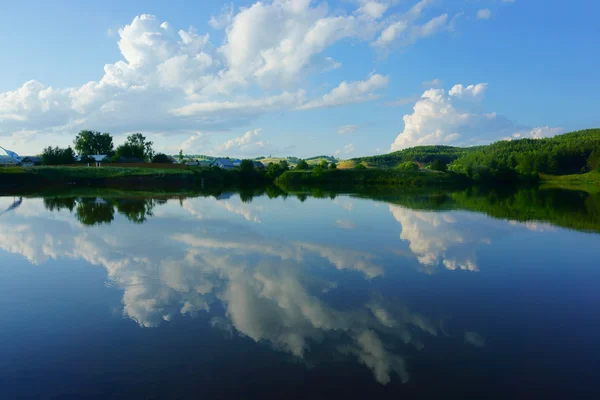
{"x": 455, "y": 119}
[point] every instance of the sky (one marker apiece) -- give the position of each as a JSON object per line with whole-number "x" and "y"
{"x": 297, "y": 77}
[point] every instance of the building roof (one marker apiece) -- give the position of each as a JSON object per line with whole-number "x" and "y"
{"x": 32, "y": 159}
{"x": 226, "y": 162}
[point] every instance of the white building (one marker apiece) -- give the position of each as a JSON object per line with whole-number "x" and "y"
{"x": 8, "y": 157}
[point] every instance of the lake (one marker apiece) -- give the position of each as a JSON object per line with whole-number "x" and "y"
{"x": 457, "y": 295}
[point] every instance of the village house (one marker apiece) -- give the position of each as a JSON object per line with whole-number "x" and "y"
{"x": 223, "y": 163}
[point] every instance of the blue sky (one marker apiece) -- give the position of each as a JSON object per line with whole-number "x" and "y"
{"x": 297, "y": 77}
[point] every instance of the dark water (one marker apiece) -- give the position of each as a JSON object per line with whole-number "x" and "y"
{"x": 201, "y": 297}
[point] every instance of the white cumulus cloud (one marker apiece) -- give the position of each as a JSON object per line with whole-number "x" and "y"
{"x": 440, "y": 118}
{"x": 471, "y": 91}
{"x": 248, "y": 142}
{"x": 350, "y": 92}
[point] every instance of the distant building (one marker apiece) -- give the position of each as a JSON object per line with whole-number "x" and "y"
{"x": 236, "y": 163}
{"x": 30, "y": 161}
{"x": 223, "y": 163}
{"x": 8, "y": 157}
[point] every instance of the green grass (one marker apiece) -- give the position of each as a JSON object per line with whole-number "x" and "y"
{"x": 588, "y": 182}
{"x": 11, "y": 170}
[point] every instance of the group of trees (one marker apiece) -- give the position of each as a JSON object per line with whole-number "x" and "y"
{"x": 324, "y": 164}
{"x": 571, "y": 153}
{"x": 88, "y": 143}
{"x": 276, "y": 170}
{"x": 57, "y": 156}
{"x": 136, "y": 147}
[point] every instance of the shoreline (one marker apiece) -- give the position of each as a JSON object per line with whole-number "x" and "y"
{"x": 198, "y": 179}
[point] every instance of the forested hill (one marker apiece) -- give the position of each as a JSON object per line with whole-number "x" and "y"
{"x": 420, "y": 154}
{"x": 570, "y": 153}
{"x": 575, "y": 152}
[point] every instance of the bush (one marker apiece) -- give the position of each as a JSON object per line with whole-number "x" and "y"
{"x": 333, "y": 166}
{"x": 360, "y": 166}
{"x": 302, "y": 165}
{"x": 408, "y": 166}
{"x": 161, "y": 158}
{"x": 439, "y": 165}
{"x": 275, "y": 170}
{"x": 247, "y": 166}
{"x": 317, "y": 171}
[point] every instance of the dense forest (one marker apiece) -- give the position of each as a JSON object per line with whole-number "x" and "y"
{"x": 571, "y": 153}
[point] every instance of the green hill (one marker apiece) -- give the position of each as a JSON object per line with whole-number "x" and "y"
{"x": 419, "y": 154}
{"x": 570, "y": 153}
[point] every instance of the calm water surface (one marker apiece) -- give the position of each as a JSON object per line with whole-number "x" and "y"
{"x": 280, "y": 298}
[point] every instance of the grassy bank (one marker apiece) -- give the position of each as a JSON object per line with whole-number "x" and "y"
{"x": 589, "y": 182}
{"x": 154, "y": 179}
{"x": 40, "y": 179}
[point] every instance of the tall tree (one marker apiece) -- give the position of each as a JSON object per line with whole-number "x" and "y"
{"x": 91, "y": 142}
{"x": 136, "y": 146}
